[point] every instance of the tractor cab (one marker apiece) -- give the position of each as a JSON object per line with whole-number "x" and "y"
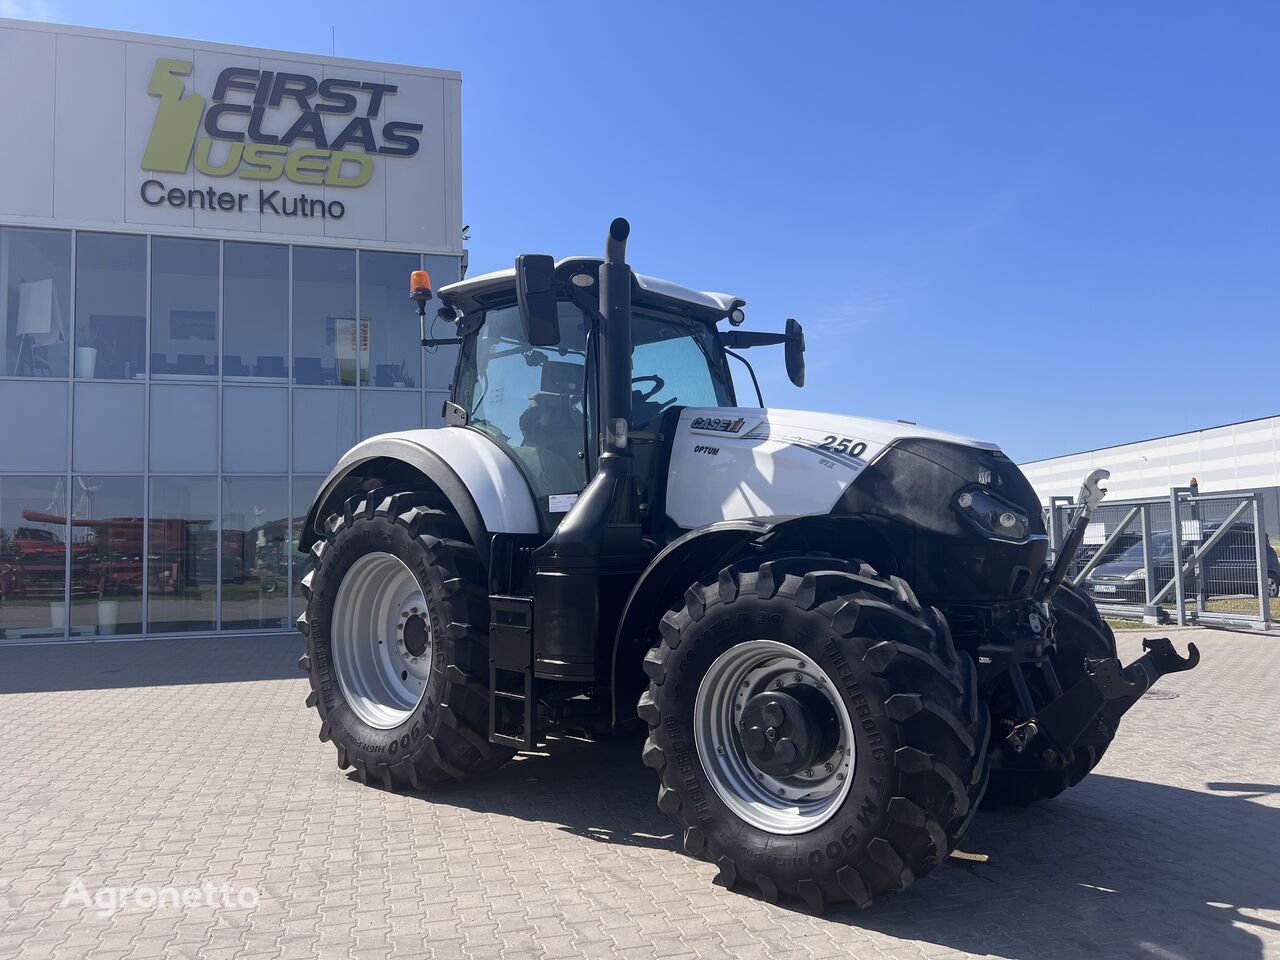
{"x": 540, "y": 402}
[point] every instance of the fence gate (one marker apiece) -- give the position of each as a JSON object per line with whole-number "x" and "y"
{"x": 1195, "y": 558}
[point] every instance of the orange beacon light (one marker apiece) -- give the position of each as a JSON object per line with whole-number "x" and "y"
{"x": 420, "y": 288}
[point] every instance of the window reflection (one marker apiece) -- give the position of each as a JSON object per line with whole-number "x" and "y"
{"x": 395, "y": 350}
{"x": 183, "y": 553}
{"x": 328, "y": 343}
{"x": 184, "y": 307}
{"x": 35, "y": 270}
{"x": 111, "y": 302}
{"x": 304, "y": 493}
{"x": 33, "y": 551}
{"x": 255, "y": 552}
{"x": 255, "y": 308}
{"x": 106, "y": 555}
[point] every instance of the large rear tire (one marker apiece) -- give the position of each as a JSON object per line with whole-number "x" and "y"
{"x": 828, "y": 646}
{"x": 396, "y": 629}
{"x": 1080, "y": 634}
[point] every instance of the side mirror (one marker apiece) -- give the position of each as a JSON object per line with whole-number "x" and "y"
{"x": 794, "y": 351}
{"x": 536, "y": 296}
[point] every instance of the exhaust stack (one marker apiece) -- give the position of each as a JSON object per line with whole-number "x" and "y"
{"x": 584, "y": 573}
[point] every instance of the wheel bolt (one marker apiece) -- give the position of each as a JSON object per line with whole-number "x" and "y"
{"x": 797, "y": 677}
{"x": 808, "y": 773}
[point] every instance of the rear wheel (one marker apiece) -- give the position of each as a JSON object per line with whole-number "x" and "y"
{"x": 1080, "y": 634}
{"x": 396, "y": 641}
{"x": 815, "y": 732}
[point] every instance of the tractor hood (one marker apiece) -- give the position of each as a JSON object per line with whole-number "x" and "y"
{"x": 730, "y": 463}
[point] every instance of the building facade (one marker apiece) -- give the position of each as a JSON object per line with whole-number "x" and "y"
{"x": 1235, "y": 457}
{"x": 204, "y": 261}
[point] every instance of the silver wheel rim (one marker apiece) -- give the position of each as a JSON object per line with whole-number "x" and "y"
{"x": 381, "y": 640}
{"x": 1273, "y": 587}
{"x": 782, "y": 805}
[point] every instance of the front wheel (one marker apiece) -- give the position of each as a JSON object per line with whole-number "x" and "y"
{"x": 396, "y": 629}
{"x": 815, "y": 731}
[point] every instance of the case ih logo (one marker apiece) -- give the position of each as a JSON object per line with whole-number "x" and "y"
{"x": 263, "y": 125}
{"x": 717, "y": 424}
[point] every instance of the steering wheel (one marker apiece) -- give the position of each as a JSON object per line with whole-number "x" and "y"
{"x": 658, "y": 384}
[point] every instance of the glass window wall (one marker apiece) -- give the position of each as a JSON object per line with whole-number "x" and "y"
{"x": 395, "y": 350}
{"x": 127, "y": 552}
{"x": 328, "y": 343}
{"x": 111, "y": 306}
{"x": 255, "y": 552}
{"x": 184, "y": 307}
{"x": 255, "y": 307}
{"x": 107, "y": 526}
{"x": 183, "y": 554}
{"x": 33, "y": 554}
{"x": 35, "y": 302}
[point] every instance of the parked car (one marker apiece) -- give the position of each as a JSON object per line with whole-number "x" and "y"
{"x": 1229, "y": 568}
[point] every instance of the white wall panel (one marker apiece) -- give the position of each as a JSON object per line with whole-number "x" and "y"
{"x": 27, "y": 71}
{"x": 1238, "y": 456}
{"x": 90, "y": 102}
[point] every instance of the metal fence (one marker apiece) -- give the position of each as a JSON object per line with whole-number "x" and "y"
{"x": 1195, "y": 558}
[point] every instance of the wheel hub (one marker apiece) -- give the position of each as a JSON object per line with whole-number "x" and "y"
{"x": 774, "y": 737}
{"x": 381, "y": 639}
{"x": 787, "y": 731}
{"x": 414, "y": 635}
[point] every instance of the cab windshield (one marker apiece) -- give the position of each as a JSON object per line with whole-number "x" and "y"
{"x": 535, "y": 401}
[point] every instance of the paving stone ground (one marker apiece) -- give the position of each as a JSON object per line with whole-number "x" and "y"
{"x": 173, "y": 764}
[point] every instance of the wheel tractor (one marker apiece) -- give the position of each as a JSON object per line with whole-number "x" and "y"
{"x": 842, "y": 634}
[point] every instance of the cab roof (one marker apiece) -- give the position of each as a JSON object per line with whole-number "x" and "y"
{"x": 499, "y": 289}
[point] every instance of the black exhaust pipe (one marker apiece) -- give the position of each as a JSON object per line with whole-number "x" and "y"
{"x": 585, "y": 572}
{"x": 615, "y": 344}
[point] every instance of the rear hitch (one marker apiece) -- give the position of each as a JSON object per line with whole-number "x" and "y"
{"x": 1089, "y": 710}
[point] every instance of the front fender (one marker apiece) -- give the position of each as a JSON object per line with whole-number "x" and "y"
{"x": 480, "y": 481}
{"x": 705, "y": 552}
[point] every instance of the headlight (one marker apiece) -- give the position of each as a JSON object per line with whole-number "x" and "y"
{"x": 1138, "y": 574}
{"x": 993, "y": 516}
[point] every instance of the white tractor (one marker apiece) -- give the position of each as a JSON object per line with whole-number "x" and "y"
{"x": 841, "y": 633}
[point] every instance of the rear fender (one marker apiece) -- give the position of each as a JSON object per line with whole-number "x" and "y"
{"x": 703, "y": 553}
{"x": 480, "y": 481}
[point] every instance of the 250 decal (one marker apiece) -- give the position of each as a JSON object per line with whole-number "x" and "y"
{"x": 845, "y": 445}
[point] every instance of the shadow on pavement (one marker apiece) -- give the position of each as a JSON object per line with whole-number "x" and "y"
{"x": 1114, "y": 868}
{"x": 148, "y": 663}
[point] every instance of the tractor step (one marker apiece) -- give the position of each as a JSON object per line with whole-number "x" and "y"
{"x": 512, "y": 697}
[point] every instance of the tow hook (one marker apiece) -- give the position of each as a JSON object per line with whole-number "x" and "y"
{"x": 1095, "y": 704}
{"x": 1022, "y": 734}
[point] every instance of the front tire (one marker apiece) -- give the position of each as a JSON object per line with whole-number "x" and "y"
{"x": 396, "y": 629}
{"x": 848, "y": 660}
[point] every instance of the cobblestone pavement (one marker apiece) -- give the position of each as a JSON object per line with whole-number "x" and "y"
{"x": 178, "y": 764}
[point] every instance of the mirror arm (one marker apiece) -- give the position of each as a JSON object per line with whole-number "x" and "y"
{"x": 751, "y": 370}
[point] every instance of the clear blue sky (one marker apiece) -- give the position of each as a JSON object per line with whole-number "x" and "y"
{"x": 1056, "y": 226}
